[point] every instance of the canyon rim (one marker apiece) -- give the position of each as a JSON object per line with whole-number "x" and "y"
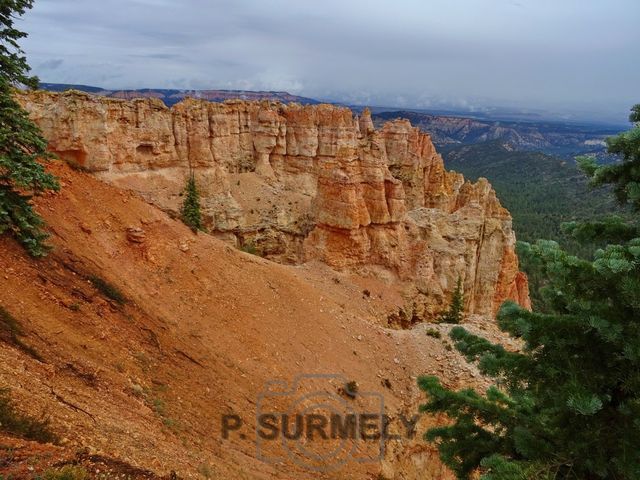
{"x": 303, "y": 183}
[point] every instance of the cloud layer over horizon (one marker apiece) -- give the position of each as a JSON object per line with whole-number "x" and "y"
{"x": 570, "y": 56}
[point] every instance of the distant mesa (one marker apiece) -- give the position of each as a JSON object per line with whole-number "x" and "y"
{"x": 171, "y": 96}
{"x": 552, "y": 137}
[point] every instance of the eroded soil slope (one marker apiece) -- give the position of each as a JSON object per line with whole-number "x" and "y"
{"x": 201, "y": 328}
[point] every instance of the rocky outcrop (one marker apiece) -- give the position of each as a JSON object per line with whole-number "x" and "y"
{"x": 299, "y": 183}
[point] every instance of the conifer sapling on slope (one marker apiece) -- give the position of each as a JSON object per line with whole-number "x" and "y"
{"x": 456, "y": 309}
{"x": 22, "y": 146}
{"x": 191, "y": 205}
{"x": 567, "y": 405}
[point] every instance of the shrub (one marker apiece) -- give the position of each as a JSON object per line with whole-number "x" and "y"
{"x": 9, "y": 326}
{"x": 351, "y": 389}
{"x": 432, "y": 332}
{"x": 159, "y": 407}
{"x": 249, "y": 248}
{"x": 108, "y": 290}
{"x": 11, "y": 331}
{"x": 23, "y": 426}
{"x": 456, "y": 308}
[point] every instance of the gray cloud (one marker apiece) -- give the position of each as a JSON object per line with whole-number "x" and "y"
{"x": 568, "y": 56}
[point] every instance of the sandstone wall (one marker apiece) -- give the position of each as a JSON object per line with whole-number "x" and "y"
{"x": 299, "y": 183}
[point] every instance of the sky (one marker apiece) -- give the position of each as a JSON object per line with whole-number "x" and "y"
{"x": 575, "y": 58}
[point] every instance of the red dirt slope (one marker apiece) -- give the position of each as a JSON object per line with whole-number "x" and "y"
{"x": 203, "y": 328}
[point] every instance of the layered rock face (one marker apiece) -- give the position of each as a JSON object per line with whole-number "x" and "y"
{"x": 299, "y": 183}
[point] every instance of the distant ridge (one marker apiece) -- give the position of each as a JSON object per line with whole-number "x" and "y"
{"x": 172, "y": 96}
{"x": 566, "y": 139}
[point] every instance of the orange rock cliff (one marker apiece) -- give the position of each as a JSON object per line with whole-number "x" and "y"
{"x": 302, "y": 183}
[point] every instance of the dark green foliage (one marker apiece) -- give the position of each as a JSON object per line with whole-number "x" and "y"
{"x": 21, "y": 143}
{"x": 566, "y": 406}
{"x": 250, "y": 248}
{"x": 11, "y": 333}
{"x": 540, "y": 191}
{"x": 609, "y": 230}
{"x": 15, "y": 423}
{"x": 351, "y": 389}
{"x": 191, "y": 205}
{"x": 571, "y": 400}
{"x": 625, "y": 174}
{"x": 108, "y": 290}
{"x": 456, "y": 309}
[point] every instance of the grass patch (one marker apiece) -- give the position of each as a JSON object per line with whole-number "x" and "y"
{"x": 68, "y": 472}
{"x": 159, "y": 407}
{"x": 23, "y": 426}
{"x": 206, "y": 471}
{"x": 432, "y": 332}
{"x": 170, "y": 423}
{"x": 11, "y": 331}
{"x": 108, "y": 290}
{"x": 143, "y": 360}
{"x": 151, "y": 397}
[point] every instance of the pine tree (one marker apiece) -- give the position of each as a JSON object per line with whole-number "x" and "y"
{"x": 567, "y": 405}
{"x": 624, "y": 175}
{"x": 22, "y": 146}
{"x": 191, "y": 205}
{"x": 455, "y": 312}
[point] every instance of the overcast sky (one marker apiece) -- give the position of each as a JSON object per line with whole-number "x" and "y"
{"x": 566, "y": 56}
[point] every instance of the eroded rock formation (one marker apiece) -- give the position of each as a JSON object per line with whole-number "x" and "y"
{"x": 300, "y": 183}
